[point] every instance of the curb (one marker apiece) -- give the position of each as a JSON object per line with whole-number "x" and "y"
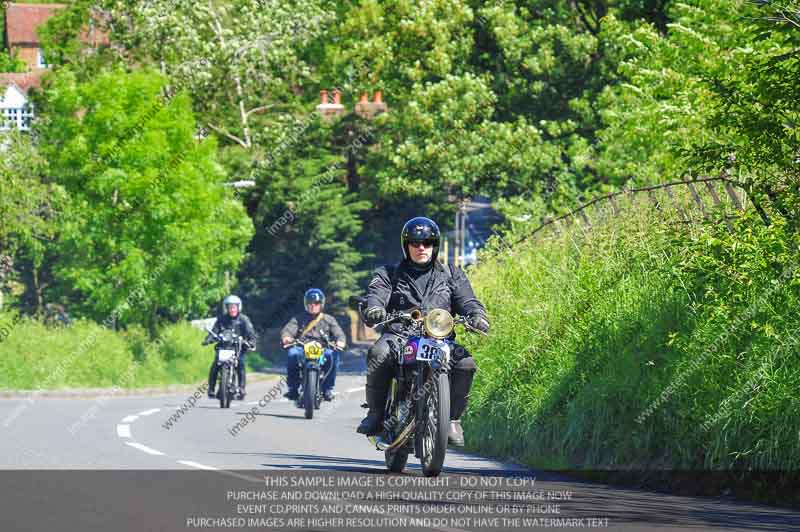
{"x": 80, "y": 393}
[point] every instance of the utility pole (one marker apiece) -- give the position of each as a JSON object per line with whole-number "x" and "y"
{"x": 463, "y": 210}
{"x": 460, "y": 244}
{"x": 456, "y": 240}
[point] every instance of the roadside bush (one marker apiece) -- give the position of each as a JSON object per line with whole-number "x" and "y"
{"x": 641, "y": 344}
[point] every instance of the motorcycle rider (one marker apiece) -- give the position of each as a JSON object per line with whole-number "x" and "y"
{"x": 313, "y": 324}
{"x": 418, "y": 281}
{"x": 231, "y": 318}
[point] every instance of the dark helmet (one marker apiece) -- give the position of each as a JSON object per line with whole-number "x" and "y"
{"x": 417, "y": 229}
{"x": 314, "y": 295}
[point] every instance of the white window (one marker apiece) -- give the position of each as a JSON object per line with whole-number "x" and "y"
{"x": 17, "y": 117}
{"x": 40, "y": 60}
{"x": 16, "y": 111}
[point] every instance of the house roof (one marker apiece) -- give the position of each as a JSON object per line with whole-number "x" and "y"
{"x": 22, "y": 20}
{"x": 24, "y": 80}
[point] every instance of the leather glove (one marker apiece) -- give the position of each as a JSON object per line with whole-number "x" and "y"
{"x": 375, "y": 315}
{"x": 476, "y": 321}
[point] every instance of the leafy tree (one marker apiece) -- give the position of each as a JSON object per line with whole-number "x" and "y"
{"x": 662, "y": 107}
{"x": 758, "y": 109}
{"x": 237, "y": 59}
{"x": 149, "y": 215}
{"x": 717, "y": 92}
{"x": 445, "y": 141}
{"x": 29, "y": 211}
{"x": 306, "y": 222}
{"x": 393, "y": 45}
{"x": 11, "y": 63}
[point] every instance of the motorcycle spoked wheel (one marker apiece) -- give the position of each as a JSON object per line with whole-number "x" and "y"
{"x": 310, "y": 381}
{"x": 224, "y": 390}
{"x": 433, "y": 421}
{"x": 395, "y": 459}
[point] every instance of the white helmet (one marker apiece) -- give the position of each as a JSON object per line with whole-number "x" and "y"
{"x": 231, "y": 300}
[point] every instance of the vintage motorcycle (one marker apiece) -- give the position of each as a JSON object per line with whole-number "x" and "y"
{"x": 310, "y": 392}
{"x": 417, "y": 415}
{"x": 229, "y": 348}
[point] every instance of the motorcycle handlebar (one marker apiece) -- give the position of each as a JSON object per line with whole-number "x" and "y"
{"x": 325, "y": 343}
{"x": 218, "y": 338}
{"x": 463, "y": 321}
{"x": 416, "y": 316}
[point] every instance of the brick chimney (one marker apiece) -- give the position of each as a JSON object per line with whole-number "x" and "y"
{"x": 367, "y": 109}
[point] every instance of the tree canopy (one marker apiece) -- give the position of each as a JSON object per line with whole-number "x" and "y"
{"x": 535, "y": 104}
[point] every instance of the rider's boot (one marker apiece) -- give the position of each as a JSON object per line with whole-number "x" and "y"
{"x": 291, "y": 395}
{"x": 455, "y": 436}
{"x": 460, "y": 383}
{"x": 376, "y": 400}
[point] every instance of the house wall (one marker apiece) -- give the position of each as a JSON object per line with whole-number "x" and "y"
{"x": 27, "y": 54}
{"x": 12, "y": 98}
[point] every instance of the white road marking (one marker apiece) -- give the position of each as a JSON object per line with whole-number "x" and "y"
{"x": 124, "y": 431}
{"x": 195, "y": 464}
{"x": 129, "y": 419}
{"x": 148, "y": 412}
{"x": 354, "y": 390}
{"x": 143, "y": 448}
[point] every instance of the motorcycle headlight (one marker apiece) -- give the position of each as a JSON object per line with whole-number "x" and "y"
{"x": 439, "y": 323}
{"x": 313, "y": 350}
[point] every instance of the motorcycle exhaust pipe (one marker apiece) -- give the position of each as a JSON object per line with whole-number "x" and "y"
{"x": 400, "y": 440}
{"x": 379, "y": 443}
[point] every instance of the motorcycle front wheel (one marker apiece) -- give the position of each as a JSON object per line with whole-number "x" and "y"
{"x": 433, "y": 422}
{"x": 224, "y": 392}
{"x": 309, "y": 391}
{"x": 396, "y": 460}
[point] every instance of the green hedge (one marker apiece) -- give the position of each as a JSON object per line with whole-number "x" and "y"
{"x": 33, "y": 356}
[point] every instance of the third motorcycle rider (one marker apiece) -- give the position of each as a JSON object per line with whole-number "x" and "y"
{"x": 313, "y": 324}
{"x": 419, "y": 281}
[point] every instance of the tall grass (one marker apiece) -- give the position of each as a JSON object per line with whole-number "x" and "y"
{"x": 641, "y": 344}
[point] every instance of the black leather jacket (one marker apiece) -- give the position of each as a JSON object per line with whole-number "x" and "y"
{"x": 448, "y": 288}
{"x": 241, "y": 324}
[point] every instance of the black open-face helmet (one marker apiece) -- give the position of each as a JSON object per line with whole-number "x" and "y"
{"x": 421, "y": 229}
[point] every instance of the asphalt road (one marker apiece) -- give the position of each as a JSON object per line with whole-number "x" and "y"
{"x": 67, "y": 440}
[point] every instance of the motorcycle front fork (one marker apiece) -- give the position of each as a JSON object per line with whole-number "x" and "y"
{"x": 401, "y": 404}
{"x": 234, "y": 380}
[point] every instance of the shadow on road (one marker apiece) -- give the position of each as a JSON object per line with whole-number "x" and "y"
{"x": 281, "y": 416}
